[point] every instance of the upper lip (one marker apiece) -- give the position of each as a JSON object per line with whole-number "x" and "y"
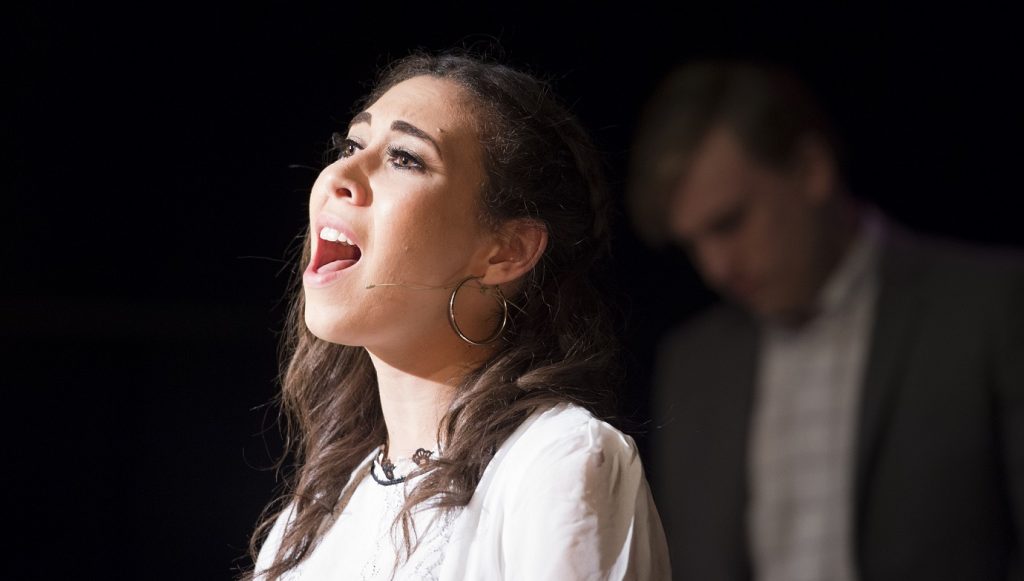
{"x": 327, "y": 220}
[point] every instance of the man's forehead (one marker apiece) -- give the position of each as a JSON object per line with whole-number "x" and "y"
{"x": 715, "y": 182}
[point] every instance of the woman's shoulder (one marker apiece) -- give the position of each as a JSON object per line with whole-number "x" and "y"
{"x": 566, "y": 440}
{"x": 568, "y": 424}
{"x": 563, "y": 498}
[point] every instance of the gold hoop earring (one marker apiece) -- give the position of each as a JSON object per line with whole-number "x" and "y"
{"x": 500, "y": 297}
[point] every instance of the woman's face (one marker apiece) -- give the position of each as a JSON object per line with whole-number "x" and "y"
{"x": 405, "y": 194}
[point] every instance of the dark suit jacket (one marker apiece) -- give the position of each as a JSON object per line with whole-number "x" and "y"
{"x": 939, "y": 474}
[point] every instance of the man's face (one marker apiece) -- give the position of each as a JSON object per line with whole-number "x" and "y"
{"x": 750, "y": 228}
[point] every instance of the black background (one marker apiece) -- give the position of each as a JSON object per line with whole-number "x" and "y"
{"x": 157, "y": 166}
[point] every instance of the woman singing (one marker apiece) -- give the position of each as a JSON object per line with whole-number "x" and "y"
{"x": 449, "y": 355}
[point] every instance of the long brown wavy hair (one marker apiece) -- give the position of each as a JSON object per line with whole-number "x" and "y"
{"x": 558, "y": 347}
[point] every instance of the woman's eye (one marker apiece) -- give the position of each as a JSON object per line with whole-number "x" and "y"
{"x": 402, "y": 159}
{"x": 343, "y": 146}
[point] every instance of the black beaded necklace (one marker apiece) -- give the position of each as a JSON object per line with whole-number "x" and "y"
{"x": 419, "y": 457}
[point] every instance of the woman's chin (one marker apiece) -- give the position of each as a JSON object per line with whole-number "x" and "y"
{"x": 329, "y": 329}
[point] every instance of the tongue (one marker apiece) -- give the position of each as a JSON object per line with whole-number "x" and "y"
{"x": 336, "y": 265}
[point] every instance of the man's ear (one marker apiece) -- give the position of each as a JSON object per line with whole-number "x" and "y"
{"x": 817, "y": 167}
{"x": 520, "y": 245}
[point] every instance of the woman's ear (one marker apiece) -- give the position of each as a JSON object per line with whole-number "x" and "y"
{"x": 520, "y": 245}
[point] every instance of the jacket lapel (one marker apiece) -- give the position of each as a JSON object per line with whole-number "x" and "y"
{"x": 897, "y": 312}
{"x": 735, "y": 358}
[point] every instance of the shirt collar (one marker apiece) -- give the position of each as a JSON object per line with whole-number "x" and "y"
{"x": 854, "y": 273}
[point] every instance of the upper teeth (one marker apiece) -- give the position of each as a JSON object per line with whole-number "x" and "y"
{"x": 332, "y": 235}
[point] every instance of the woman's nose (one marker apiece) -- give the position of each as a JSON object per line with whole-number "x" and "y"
{"x": 348, "y": 183}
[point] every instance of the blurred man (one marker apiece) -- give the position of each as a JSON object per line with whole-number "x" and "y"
{"x": 855, "y": 409}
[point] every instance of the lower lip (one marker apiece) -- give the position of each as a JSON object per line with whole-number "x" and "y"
{"x": 314, "y": 279}
{"x": 744, "y": 290}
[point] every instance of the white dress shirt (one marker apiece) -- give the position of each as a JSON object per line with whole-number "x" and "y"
{"x": 802, "y": 437}
{"x": 563, "y": 498}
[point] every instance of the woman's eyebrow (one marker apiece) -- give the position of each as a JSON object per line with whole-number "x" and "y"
{"x": 401, "y": 126}
{"x": 361, "y": 117}
{"x": 410, "y": 129}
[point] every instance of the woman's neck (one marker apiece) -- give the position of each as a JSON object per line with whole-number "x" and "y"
{"x": 415, "y": 397}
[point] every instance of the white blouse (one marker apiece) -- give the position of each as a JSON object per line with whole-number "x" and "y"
{"x": 564, "y": 498}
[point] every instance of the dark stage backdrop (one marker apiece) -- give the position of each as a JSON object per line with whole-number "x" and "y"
{"x": 157, "y": 165}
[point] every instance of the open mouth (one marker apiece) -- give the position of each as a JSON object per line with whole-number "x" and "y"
{"x": 334, "y": 252}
